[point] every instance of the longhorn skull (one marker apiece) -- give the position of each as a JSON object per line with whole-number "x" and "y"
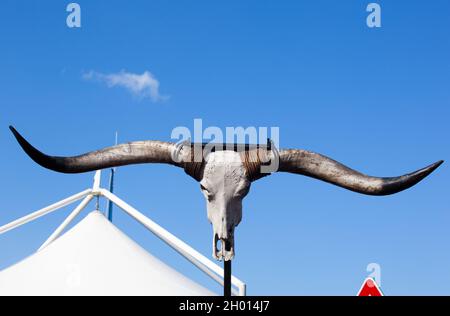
{"x": 225, "y": 175}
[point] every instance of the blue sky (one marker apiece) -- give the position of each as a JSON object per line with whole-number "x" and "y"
{"x": 377, "y": 100}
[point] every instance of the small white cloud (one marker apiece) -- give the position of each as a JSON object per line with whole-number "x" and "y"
{"x": 143, "y": 86}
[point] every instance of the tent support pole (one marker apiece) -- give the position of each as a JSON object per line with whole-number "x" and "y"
{"x": 47, "y": 210}
{"x": 67, "y": 221}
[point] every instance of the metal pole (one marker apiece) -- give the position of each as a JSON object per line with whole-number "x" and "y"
{"x": 227, "y": 273}
{"x": 227, "y": 278}
{"x": 111, "y": 189}
{"x": 44, "y": 211}
{"x": 67, "y": 221}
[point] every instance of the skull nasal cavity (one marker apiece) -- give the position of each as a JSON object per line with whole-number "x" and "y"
{"x": 227, "y": 245}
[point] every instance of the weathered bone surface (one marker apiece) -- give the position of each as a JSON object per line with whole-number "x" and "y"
{"x": 225, "y": 176}
{"x": 224, "y": 184}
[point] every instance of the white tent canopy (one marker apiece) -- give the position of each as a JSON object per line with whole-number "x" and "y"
{"x": 95, "y": 258}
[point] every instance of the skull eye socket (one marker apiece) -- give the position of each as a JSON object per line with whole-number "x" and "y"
{"x": 206, "y": 192}
{"x": 242, "y": 192}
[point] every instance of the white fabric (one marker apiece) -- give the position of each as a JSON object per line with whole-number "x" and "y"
{"x": 95, "y": 258}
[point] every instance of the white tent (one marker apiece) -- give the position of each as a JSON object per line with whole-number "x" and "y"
{"x": 95, "y": 258}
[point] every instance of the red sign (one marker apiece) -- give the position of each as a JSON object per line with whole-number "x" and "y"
{"x": 370, "y": 288}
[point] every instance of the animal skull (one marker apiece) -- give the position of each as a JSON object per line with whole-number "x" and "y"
{"x": 225, "y": 176}
{"x": 224, "y": 185}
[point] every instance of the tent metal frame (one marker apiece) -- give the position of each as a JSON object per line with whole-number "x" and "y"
{"x": 207, "y": 266}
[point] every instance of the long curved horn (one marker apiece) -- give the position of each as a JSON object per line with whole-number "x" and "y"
{"x": 323, "y": 168}
{"x": 119, "y": 155}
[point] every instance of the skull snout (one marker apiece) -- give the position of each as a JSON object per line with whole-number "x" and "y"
{"x": 223, "y": 248}
{"x": 223, "y": 242}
